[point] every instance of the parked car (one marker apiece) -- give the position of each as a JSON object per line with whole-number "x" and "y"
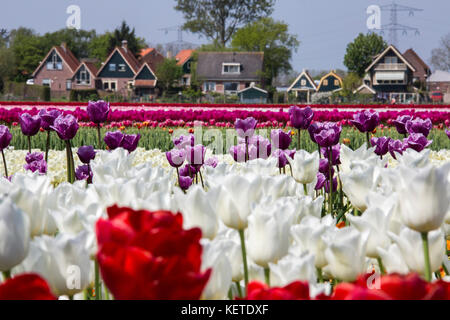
{"x": 437, "y": 96}
{"x": 30, "y": 82}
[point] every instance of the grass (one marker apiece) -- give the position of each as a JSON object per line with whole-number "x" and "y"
{"x": 160, "y": 138}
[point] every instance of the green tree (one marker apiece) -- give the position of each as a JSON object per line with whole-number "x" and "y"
{"x": 99, "y": 47}
{"x": 351, "y": 82}
{"x": 271, "y": 37}
{"x": 361, "y": 51}
{"x": 124, "y": 32}
{"x": 169, "y": 73}
{"x": 218, "y": 20}
{"x": 77, "y": 40}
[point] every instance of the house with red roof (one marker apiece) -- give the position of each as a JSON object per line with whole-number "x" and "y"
{"x": 85, "y": 76}
{"x": 152, "y": 57}
{"x": 184, "y": 59}
{"x": 56, "y": 70}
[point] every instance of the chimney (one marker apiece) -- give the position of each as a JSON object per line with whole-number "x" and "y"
{"x": 125, "y": 44}
{"x": 64, "y": 46}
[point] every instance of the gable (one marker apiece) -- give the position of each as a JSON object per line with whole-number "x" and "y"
{"x": 390, "y": 51}
{"x": 302, "y": 78}
{"x": 329, "y": 82}
{"x": 145, "y": 74}
{"x": 115, "y": 62}
{"x": 252, "y": 93}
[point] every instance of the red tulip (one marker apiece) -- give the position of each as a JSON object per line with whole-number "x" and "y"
{"x": 149, "y": 256}
{"x": 295, "y": 291}
{"x": 26, "y": 287}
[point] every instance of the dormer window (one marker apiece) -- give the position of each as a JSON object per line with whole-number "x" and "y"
{"x": 53, "y": 63}
{"x": 231, "y": 68}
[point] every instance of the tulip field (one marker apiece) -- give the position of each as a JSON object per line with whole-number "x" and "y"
{"x": 299, "y": 203}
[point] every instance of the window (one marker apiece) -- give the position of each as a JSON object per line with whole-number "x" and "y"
{"x": 303, "y": 82}
{"x": 122, "y": 68}
{"x": 113, "y": 86}
{"x": 391, "y": 60}
{"x": 83, "y": 77}
{"x": 54, "y": 64}
{"x": 112, "y": 67}
{"x": 325, "y": 82}
{"x": 69, "y": 85}
{"x": 105, "y": 85}
{"x": 209, "y": 86}
{"x": 231, "y": 87}
{"x": 46, "y": 82}
{"x": 233, "y": 68}
{"x": 336, "y": 82}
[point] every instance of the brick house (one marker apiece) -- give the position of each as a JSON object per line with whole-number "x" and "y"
{"x": 184, "y": 59}
{"x": 423, "y": 71}
{"x": 85, "y": 76}
{"x": 152, "y": 57}
{"x": 229, "y": 72}
{"x": 56, "y": 70}
{"x": 439, "y": 81}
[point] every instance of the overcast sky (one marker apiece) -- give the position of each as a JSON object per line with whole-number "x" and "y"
{"x": 324, "y": 27}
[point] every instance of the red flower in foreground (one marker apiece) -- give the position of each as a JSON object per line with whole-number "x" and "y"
{"x": 393, "y": 287}
{"x": 294, "y": 291}
{"x": 26, "y": 287}
{"x": 149, "y": 256}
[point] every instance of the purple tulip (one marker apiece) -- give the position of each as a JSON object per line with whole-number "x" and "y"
{"x": 35, "y": 156}
{"x": 130, "y": 142}
{"x": 324, "y": 168}
{"x": 280, "y": 139}
{"x": 262, "y": 145}
{"x": 245, "y": 128}
{"x": 30, "y": 125}
{"x": 185, "y": 182}
{"x": 196, "y": 155}
{"x": 86, "y": 154}
{"x": 335, "y": 154}
{"x": 5, "y": 137}
{"x": 48, "y": 118}
{"x": 40, "y": 166}
{"x": 395, "y": 146}
{"x": 212, "y": 162}
{"x": 400, "y": 123}
{"x": 301, "y": 118}
{"x": 381, "y": 145}
{"x": 366, "y": 121}
{"x": 313, "y": 129}
{"x": 98, "y": 111}
{"x": 290, "y": 153}
{"x": 327, "y": 185}
{"x": 184, "y": 141}
{"x": 281, "y": 156}
{"x": 328, "y": 135}
{"x": 238, "y": 152}
{"x": 176, "y": 157}
{"x": 321, "y": 179}
{"x": 419, "y": 126}
{"x": 113, "y": 139}
{"x": 188, "y": 171}
{"x": 66, "y": 127}
{"x": 84, "y": 172}
{"x": 448, "y": 133}
{"x": 417, "y": 141}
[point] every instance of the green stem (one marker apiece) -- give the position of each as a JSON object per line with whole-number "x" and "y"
{"x": 239, "y": 289}
{"x": 305, "y": 189}
{"x": 246, "y": 150}
{"x": 4, "y": 164}
{"x": 6, "y": 275}
{"x": 99, "y": 135}
{"x": 29, "y": 144}
{"x": 106, "y": 292}
{"x": 98, "y": 292}
{"x": 267, "y": 276}
{"x": 47, "y": 146}
{"x": 244, "y": 258}
{"x": 320, "y": 154}
{"x": 426, "y": 254}
{"x": 201, "y": 178}
{"x": 299, "y": 143}
{"x": 319, "y": 275}
{"x": 368, "y": 139}
{"x": 330, "y": 181}
{"x": 178, "y": 176}
{"x": 380, "y": 264}
{"x": 230, "y": 294}
{"x": 68, "y": 164}
{"x": 290, "y": 168}
{"x": 71, "y": 297}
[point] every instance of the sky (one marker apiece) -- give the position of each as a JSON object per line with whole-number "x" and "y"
{"x": 324, "y": 27}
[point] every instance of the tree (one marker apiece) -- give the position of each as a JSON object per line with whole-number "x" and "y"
{"x": 351, "y": 82}
{"x": 169, "y": 73}
{"x": 440, "y": 57}
{"x": 219, "y": 19}
{"x": 361, "y": 51}
{"x": 77, "y": 40}
{"x": 272, "y": 38}
{"x": 99, "y": 47}
{"x": 124, "y": 32}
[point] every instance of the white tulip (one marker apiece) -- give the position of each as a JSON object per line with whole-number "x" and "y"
{"x": 414, "y": 159}
{"x": 220, "y": 280}
{"x": 292, "y": 268}
{"x": 310, "y": 207}
{"x": 198, "y": 210}
{"x": 345, "y": 253}
{"x": 357, "y": 183}
{"x": 14, "y": 235}
{"x": 308, "y": 235}
{"x": 234, "y": 200}
{"x": 279, "y": 186}
{"x": 304, "y": 166}
{"x": 393, "y": 260}
{"x": 362, "y": 154}
{"x": 425, "y": 200}
{"x": 375, "y": 222}
{"x": 268, "y": 235}
{"x": 64, "y": 261}
{"x": 410, "y": 244}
